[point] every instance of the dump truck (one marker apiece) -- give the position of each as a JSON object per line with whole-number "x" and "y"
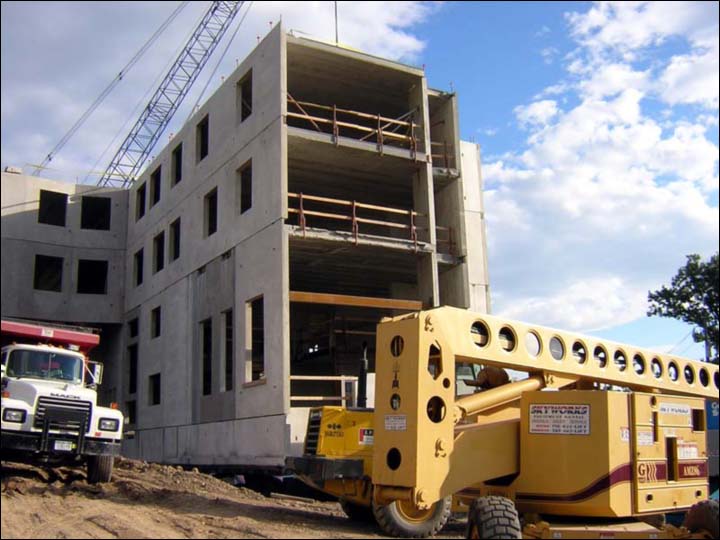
{"x": 50, "y": 414}
{"x": 597, "y": 439}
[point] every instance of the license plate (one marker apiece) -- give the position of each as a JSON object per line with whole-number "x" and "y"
{"x": 64, "y": 446}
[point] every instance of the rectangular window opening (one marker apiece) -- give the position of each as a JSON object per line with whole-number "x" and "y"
{"x": 92, "y": 277}
{"x": 243, "y": 185}
{"x": 202, "y": 134}
{"x": 255, "y": 339}
{"x": 229, "y": 350}
{"x": 244, "y": 96}
{"x": 138, "y": 268}
{"x": 698, "y": 420}
{"x": 155, "y": 186}
{"x": 132, "y": 368}
{"x": 140, "y": 202}
{"x": 175, "y": 240}
{"x": 159, "y": 252}
{"x": 211, "y": 215}
{"x": 53, "y": 208}
{"x": 671, "y": 449}
{"x": 95, "y": 213}
{"x": 206, "y": 340}
{"x": 176, "y": 165}
{"x": 133, "y": 326}
{"x": 154, "y": 387}
{"x": 155, "y": 318}
{"x": 48, "y": 273}
{"x": 131, "y": 409}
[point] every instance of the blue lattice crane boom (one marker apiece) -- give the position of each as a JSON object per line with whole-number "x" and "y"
{"x": 137, "y": 146}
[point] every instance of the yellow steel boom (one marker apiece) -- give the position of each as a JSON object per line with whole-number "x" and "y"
{"x": 421, "y": 452}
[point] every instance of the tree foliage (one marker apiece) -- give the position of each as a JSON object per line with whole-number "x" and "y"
{"x": 693, "y": 297}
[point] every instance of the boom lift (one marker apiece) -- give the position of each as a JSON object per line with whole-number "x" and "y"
{"x": 619, "y": 442}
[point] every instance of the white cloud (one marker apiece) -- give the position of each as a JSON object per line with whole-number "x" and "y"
{"x": 575, "y": 307}
{"x": 692, "y": 78}
{"x": 607, "y": 198}
{"x": 543, "y": 31}
{"x": 612, "y": 78}
{"x": 548, "y": 54}
{"x": 625, "y": 26}
{"x": 57, "y": 57}
{"x": 627, "y": 29}
{"x": 537, "y": 113}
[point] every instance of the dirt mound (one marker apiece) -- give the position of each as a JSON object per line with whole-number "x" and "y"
{"x": 146, "y": 500}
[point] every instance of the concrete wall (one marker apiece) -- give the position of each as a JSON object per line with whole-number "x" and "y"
{"x": 23, "y": 238}
{"x": 244, "y": 259}
{"x": 474, "y": 216}
{"x": 247, "y": 257}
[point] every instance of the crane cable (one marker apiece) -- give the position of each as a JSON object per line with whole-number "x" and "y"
{"x": 222, "y": 56}
{"x": 141, "y": 102}
{"x": 109, "y": 88}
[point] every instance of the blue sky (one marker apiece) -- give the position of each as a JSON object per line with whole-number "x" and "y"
{"x": 598, "y": 126}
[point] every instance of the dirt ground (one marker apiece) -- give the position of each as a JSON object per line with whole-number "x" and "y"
{"x": 155, "y": 501}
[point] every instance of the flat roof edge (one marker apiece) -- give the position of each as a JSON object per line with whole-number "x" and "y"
{"x": 353, "y": 53}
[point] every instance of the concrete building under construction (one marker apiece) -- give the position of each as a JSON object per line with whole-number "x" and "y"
{"x": 240, "y": 278}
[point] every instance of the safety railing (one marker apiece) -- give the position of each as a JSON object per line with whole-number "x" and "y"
{"x": 397, "y": 132}
{"x": 355, "y": 214}
{"x": 384, "y": 131}
{"x": 443, "y": 155}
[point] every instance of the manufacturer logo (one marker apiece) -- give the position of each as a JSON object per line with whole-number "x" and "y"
{"x": 67, "y": 396}
{"x": 334, "y": 430}
{"x": 647, "y": 472}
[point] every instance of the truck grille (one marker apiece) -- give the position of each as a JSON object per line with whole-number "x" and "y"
{"x": 69, "y": 405}
{"x": 313, "y": 432}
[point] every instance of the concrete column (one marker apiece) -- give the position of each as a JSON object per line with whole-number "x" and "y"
{"x": 428, "y": 283}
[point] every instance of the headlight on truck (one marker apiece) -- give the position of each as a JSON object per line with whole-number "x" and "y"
{"x": 14, "y": 415}
{"x": 109, "y": 424}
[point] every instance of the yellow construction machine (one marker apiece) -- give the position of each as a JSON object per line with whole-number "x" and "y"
{"x": 600, "y": 440}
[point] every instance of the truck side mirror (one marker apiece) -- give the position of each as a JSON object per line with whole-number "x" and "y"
{"x": 95, "y": 370}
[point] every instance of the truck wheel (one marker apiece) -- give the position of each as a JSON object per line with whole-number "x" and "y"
{"x": 493, "y": 517}
{"x": 357, "y": 512}
{"x": 99, "y": 469}
{"x": 703, "y": 516}
{"x": 404, "y": 519}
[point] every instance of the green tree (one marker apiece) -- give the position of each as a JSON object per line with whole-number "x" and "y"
{"x": 693, "y": 297}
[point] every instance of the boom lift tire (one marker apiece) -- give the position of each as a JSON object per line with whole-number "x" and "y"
{"x": 703, "y": 516}
{"x": 357, "y": 512}
{"x": 493, "y": 517}
{"x": 403, "y": 519}
{"x": 99, "y": 469}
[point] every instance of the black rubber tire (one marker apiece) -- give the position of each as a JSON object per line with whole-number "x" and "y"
{"x": 99, "y": 469}
{"x": 703, "y": 516}
{"x": 493, "y": 517}
{"x": 357, "y": 512}
{"x": 394, "y": 521}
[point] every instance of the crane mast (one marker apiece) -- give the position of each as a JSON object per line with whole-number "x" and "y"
{"x": 156, "y": 115}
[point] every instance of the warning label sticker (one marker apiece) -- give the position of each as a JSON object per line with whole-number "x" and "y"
{"x": 366, "y": 436}
{"x": 687, "y": 450}
{"x": 645, "y": 438}
{"x": 557, "y": 419}
{"x": 395, "y": 422}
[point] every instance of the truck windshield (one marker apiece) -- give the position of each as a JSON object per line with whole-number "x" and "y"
{"x": 44, "y": 365}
